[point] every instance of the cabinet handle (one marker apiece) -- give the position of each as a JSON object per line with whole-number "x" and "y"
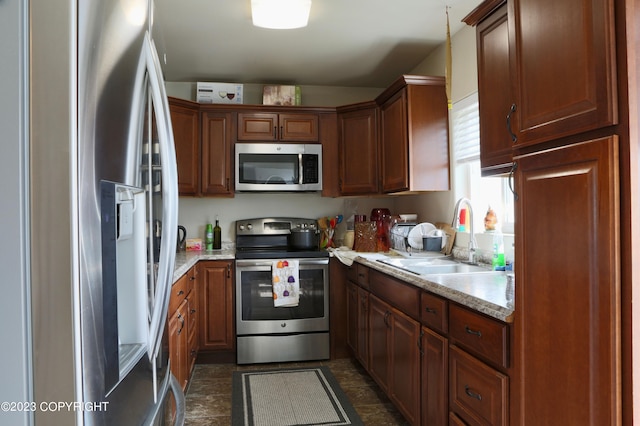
{"x": 181, "y": 318}
{"x": 228, "y": 271}
{"x": 180, "y": 293}
{"x": 387, "y": 314}
{"x": 430, "y": 311}
{"x": 275, "y": 132}
{"x": 281, "y": 132}
{"x": 514, "y": 167}
{"x": 420, "y": 342}
{"x": 474, "y": 332}
{"x": 193, "y": 353}
{"x": 514, "y": 138}
{"x": 193, "y": 311}
{"x": 471, "y": 393}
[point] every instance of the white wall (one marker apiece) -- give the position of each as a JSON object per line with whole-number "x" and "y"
{"x": 320, "y": 96}
{"x": 432, "y": 207}
{"x": 438, "y": 206}
{"x": 195, "y": 213}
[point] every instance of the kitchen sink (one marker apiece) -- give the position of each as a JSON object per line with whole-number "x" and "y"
{"x": 426, "y": 266}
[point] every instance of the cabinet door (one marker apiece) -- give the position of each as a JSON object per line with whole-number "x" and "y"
{"x": 564, "y": 57}
{"x": 362, "y": 324}
{"x": 404, "y": 365}
{"x": 216, "y": 153}
{"x": 567, "y": 322}
{"x": 359, "y": 152}
{"x": 186, "y": 136}
{"x": 352, "y": 317}
{"x": 379, "y": 342}
{"x": 435, "y": 360}
{"x": 178, "y": 336}
{"x": 298, "y": 127}
{"x": 494, "y": 93}
{"x": 193, "y": 340}
{"x": 257, "y": 126}
{"x": 216, "y": 306}
{"x": 394, "y": 144}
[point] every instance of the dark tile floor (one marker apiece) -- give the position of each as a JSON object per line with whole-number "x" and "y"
{"x": 208, "y": 397}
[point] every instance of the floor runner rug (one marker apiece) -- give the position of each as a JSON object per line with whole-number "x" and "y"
{"x": 303, "y": 396}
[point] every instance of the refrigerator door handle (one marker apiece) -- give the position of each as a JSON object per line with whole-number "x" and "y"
{"x": 166, "y": 262}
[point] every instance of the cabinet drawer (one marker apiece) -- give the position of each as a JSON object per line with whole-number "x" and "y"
{"x": 477, "y": 392}
{"x": 403, "y": 296}
{"x": 178, "y": 293}
{"x": 482, "y": 336}
{"x": 433, "y": 312}
{"x": 359, "y": 274}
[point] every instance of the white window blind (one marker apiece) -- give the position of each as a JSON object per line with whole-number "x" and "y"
{"x": 466, "y": 129}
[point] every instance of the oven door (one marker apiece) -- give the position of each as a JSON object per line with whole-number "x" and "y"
{"x": 255, "y": 311}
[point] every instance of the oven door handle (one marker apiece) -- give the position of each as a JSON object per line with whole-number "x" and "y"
{"x": 248, "y": 263}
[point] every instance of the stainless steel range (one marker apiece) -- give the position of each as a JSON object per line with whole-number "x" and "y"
{"x": 282, "y": 295}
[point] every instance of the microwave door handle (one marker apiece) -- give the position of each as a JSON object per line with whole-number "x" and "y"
{"x": 300, "y": 170}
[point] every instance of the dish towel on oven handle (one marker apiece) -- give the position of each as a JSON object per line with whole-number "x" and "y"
{"x": 285, "y": 277}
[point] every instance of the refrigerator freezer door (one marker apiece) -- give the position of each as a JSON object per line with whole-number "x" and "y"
{"x": 166, "y": 262}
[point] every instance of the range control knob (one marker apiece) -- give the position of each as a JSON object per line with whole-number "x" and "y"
{"x": 249, "y": 226}
{"x": 241, "y": 227}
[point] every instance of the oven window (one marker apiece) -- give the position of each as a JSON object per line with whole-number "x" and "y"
{"x": 257, "y": 297}
{"x": 269, "y": 168}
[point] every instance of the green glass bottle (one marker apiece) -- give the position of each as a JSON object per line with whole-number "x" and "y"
{"x": 208, "y": 237}
{"x": 217, "y": 236}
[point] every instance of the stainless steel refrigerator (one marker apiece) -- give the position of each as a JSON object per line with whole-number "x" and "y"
{"x": 103, "y": 215}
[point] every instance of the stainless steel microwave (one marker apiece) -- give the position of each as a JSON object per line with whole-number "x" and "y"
{"x": 278, "y": 167}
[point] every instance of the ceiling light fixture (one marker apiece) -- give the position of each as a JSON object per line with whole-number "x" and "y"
{"x": 280, "y": 14}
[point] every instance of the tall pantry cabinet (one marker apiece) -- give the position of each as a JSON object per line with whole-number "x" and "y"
{"x": 570, "y": 116}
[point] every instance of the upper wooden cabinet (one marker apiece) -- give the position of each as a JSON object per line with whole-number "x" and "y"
{"x": 185, "y": 119}
{"x": 217, "y": 153}
{"x": 494, "y": 93}
{"x": 284, "y": 127}
{"x": 414, "y": 141}
{"x": 358, "y": 149}
{"x": 563, "y": 54}
{"x": 562, "y": 69}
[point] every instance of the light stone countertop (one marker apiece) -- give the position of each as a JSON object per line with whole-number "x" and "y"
{"x": 483, "y": 292}
{"x": 186, "y": 259}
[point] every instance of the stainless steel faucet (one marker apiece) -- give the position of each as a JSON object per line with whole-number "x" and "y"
{"x": 456, "y": 222}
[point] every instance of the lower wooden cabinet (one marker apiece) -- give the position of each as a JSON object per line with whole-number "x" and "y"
{"x": 183, "y": 326}
{"x": 479, "y": 394}
{"x": 434, "y": 387}
{"x": 438, "y": 362}
{"x": 395, "y": 356}
{"x": 216, "y": 305}
{"x": 357, "y": 320}
{"x": 178, "y": 345}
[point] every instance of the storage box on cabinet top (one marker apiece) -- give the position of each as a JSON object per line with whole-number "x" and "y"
{"x": 281, "y": 95}
{"x": 219, "y": 93}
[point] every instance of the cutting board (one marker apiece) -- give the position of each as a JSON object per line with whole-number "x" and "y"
{"x": 451, "y": 236}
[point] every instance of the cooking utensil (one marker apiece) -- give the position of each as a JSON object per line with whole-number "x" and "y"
{"x": 303, "y": 239}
